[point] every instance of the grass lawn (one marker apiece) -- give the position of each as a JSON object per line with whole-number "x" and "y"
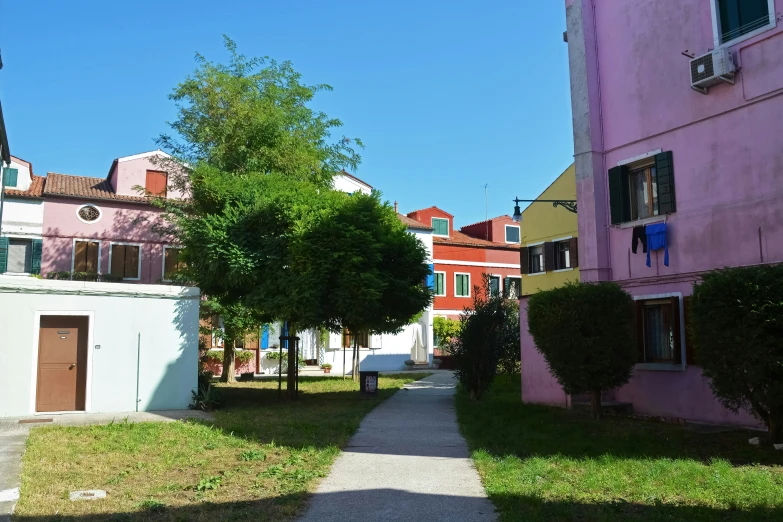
{"x": 540, "y": 463}
{"x": 257, "y": 461}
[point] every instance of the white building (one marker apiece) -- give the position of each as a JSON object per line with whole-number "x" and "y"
{"x": 71, "y": 346}
{"x": 21, "y": 228}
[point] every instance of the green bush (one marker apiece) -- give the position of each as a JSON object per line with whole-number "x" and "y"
{"x": 275, "y": 356}
{"x": 585, "y": 332}
{"x": 240, "y": 356}
{"x": 736, "y": 320}
{"x": 444, "y": 331}
{"x": 83, "y": 276}
{"x": 486, "y": 334}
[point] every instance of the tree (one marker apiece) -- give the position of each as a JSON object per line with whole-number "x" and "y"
{"x": 237, "y": 320}
{"x": 736, "y": 316}
{"x": 509, "y": 356}
{"x": 483, "y": 337}
{"x": 585, "y": 332}
{"x": 445, "y": 330}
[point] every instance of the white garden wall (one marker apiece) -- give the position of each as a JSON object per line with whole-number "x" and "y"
{"x": 142, "y": 345}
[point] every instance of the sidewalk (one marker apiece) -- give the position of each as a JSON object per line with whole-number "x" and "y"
{"x": 13, "y": 436}
{"x": 407, "y": 462}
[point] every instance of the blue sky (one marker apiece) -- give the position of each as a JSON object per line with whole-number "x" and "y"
{"x": 446, "y": 95}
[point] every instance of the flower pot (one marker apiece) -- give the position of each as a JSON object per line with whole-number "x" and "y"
{"x": 435, "y": 366}
{"x": 327, "y": 370}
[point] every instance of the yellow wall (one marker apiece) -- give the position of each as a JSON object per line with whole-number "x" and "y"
{"x": 543, "y": 222}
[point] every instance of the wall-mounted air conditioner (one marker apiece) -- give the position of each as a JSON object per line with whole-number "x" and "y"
{"x": 712, "y": 68}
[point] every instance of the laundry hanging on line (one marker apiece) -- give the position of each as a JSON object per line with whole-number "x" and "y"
{"x": 639, "y": 235}
{"x": 656, "y": 239}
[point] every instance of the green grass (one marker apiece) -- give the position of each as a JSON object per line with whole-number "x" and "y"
{"x": 549, "y": 464}
{"x": 257, "y": 461}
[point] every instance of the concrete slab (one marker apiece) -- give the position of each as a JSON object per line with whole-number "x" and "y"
{"x": 406, "y": 462}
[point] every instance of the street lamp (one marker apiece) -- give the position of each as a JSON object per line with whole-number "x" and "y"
{"x": 568, "y": 204}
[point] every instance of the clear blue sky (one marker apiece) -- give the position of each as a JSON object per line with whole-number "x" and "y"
{"x": 446, "y": 95}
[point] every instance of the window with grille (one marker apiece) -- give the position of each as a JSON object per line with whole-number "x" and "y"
{"x": 89, "y": 213}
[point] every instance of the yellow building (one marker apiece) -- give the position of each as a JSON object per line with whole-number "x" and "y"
{"x": 549, "y": 238}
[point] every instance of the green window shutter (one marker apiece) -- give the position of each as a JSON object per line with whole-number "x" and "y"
{"x": 440, "y": 226}
{"x": 619, "y": 197}
{"x": 3, "y": 254}
{"x": 35, "y": 263}
{"x": 664, "y": 171}
{"x": 549, "y": 256}
{"x": 10, "y": 177}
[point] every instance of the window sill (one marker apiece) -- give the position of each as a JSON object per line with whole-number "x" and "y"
{"x": 660, "y": 367}
{"x": 564, "y": 269}
{"x": 536, "y": 274}
{"x": 462, "y": 296}
{"x": 748, "y": 36}
{"x": 645, "y": 221}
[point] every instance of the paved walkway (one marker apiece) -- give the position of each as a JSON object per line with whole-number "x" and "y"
{"x": 13, "y": 436}
{"x": 408, "y": 462}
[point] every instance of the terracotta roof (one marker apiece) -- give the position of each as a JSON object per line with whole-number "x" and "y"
{"x": 412, "y": 223}
{"x": 490, "y": 220}
{"x": 430, "y": 208}
{"x": 34, "y": 191}
{"x": 458, "y": 238}
{"x": 84, "y": 187}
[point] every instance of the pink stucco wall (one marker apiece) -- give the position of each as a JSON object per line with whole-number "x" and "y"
{"x": 631, "y": 95}
{"x": 119, "y": 222}
{"x": 127, "y": 174}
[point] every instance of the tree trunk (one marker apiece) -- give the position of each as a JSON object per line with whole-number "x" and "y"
{"x": 228, "y": 374}
{"x": 775, "y": 430}
{"x": 292, "y": 368}
{"x": 355, "y": 365}
{"x": 595, "y": 403}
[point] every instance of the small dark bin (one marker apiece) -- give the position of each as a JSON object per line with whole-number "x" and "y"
{"x": 368, "y": 384}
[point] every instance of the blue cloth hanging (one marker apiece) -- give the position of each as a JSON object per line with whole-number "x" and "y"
{"x": 656, "y": 239}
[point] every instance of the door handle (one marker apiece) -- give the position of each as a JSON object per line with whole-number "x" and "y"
{"x": 72, "y": 366}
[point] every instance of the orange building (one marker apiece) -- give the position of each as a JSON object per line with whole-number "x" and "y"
{"x": 461, "y": 257}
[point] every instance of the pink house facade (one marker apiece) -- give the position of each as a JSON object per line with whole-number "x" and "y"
{"x": 107, "y": 225}
{"x": 652, "y": 151}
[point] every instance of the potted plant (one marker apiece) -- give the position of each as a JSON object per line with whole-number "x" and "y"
{"x": 326, "y": 367}
{"x": 436, "y": 363}
{"x": 409, "y": 363}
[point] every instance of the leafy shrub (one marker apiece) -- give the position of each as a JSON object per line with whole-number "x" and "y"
{"x": 326, "y": 366}
{"x": 444, "y": 330}
{"x": 83, "y": 276}
{"x": 486, "y": 333}
{"x": 736, "y": 319}
{"x": 205, "y": 398}
{"x": 585, "y": 332}
{"x": 275, "y": 356}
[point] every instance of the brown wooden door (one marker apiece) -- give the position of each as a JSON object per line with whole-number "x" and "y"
{"x": 62, "y": 361}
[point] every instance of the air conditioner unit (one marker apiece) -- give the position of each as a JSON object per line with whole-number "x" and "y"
{"x": 712, "y": 68}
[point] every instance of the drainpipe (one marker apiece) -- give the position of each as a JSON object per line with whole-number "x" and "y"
{"x": 138, "y": 365}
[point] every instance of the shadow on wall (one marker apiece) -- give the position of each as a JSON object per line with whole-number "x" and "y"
{"x": 403, "y": 506}
{"x": 180, "y": 377}
{"x": 143, "y": 225}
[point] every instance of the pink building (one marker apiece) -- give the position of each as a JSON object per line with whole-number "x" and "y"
{"x": 706, "y": 162}
{"x": 108, "y": 225}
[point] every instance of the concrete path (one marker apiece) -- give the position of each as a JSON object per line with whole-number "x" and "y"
{"x": 408, "y": 462}
{"x": 13, "y": 435}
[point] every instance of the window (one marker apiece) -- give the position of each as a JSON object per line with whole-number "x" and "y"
{"x": 10, "y": 177}
{"x": 462, "y": 285}
{"x": 737, "y": 18}
{"x": 658, "y": 330}
{"x": 562, "y": 255}
{"x": 513, "y": 287}
{"x": 85, "y": 256}
{"x": 88, "y": 213}
{"x": 440, "y": 226}
{"x": 363, "y": 339}
{"x": 512, "y": 234}
{"x": 125, "y": 261}
{"x": 494, "y": 285}
{"x": 642, "y": 190}
{"x": 172, "y": 264}
{"x": 535, "y": 259}
{"x": 157, "y": 183}
{"x": 440, "y": 283}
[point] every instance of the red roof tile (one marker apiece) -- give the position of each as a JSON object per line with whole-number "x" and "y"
{"x": 35, "y": 191}
{"x": 490, "y": 220}
{"x": 458, "y": 238}
{"x": 87, "y": 188}
{"x": 412, "y": 223}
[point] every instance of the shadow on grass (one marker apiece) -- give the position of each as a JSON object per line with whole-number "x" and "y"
{"x": 403, "y": 506}
{"x": 502, "y": 425}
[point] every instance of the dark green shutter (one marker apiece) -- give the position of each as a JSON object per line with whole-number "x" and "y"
{"x": 619, "y": 197}
{"x": 35, "y": 262}
{"x": 664, "y": 169}
{"x": 549, "y": 256}
{"x": 524, "y": 264}
{"x": 10, "y": 177}
{"x": 3, "y": 254}
{"x": 573, "y": 249}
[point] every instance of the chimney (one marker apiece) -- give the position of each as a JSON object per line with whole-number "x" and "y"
{"x": 395, "y": 207}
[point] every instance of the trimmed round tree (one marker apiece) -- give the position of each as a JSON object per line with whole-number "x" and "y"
{"x": 736, "y": 320}
{"x": 585, "y": 332}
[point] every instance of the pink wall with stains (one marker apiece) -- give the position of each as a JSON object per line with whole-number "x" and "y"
{"x": 631, "y": 95}
{"x": 131, "y": 171}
